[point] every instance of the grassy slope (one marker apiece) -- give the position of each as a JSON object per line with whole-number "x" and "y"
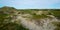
{"x": 56, "y": 13}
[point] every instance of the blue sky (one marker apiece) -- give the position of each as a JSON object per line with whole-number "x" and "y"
{"x": 31, "y": 4}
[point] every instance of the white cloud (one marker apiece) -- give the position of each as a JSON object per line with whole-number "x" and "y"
{"x": 30, "y": 3}
{"x": 37, "y": 2}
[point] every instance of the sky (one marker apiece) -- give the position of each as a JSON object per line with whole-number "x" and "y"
{"x": 31, "y": 4}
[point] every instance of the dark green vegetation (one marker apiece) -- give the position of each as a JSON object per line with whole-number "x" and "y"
{"x": 39, "y": 16}
{"x": 7, "y": 12}
{"x": 56, "y": 13}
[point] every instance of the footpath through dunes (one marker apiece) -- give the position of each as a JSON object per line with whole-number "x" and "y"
{"x": 28, "y": 24}
{"x": 45, "y": 24}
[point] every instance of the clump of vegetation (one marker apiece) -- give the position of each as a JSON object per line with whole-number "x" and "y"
{"x": 12, "y": 26}
{"x": 57, "y": 24}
